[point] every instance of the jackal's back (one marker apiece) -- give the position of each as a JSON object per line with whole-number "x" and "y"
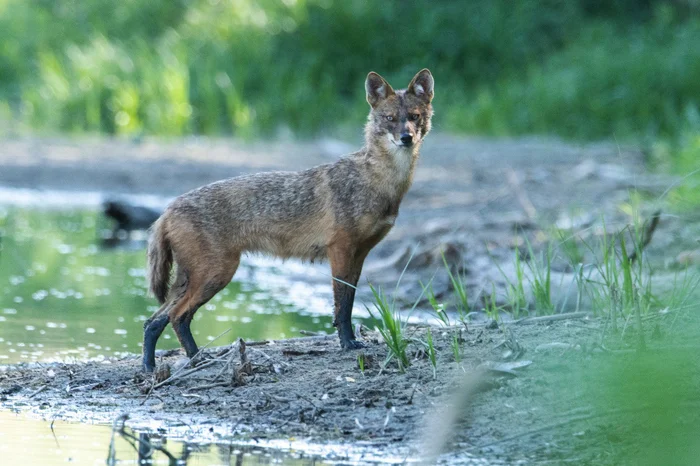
{"x": 281, "y": 213}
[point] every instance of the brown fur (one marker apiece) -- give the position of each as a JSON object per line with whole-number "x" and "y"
{"x": 338, "y": 211}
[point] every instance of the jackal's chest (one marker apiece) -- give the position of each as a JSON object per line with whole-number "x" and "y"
{"x": 373, "y": 227}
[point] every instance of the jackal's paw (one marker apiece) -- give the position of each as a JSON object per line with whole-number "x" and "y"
{"x": 147, "y": 369}
{"x": 351, "y": 344}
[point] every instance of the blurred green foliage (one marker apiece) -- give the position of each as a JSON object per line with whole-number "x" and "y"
{"x": 578, "y": 68}
{"x": 650, "y": 402}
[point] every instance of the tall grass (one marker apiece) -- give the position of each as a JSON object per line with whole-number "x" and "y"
{"x": 579, "y": 69}
{"x": 608, "y": 271}
{"x": 393, "y": 329}
{"x": 459, "y": 288}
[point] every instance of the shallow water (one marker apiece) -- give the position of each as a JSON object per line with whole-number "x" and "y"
{"x": 64, "y": 295}
{"x": 25, "y": 441}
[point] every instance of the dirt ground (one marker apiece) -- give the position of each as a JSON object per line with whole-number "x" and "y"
{"x": 524, "y": 392}
{"x": 527, "y": 391}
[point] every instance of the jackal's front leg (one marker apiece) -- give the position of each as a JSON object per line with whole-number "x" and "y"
{"x": 346, "y": 266}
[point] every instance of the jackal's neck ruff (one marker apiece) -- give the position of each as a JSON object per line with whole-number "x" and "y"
{"x": 396, "y": 126}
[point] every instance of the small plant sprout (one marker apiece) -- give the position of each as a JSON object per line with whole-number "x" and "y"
{"x": 438, "y": 308}
{"x": 518, "y": 290}
{"x": 361, "y": 362}
{"x": 541, "y": 280}
{"x": 431, "y": 351}
{"x": 459, "y": 289}
{"x": 491, "y": 308}
{"x": 456, "y": 350}
{"x": 568, "y": 245}
{"x": 515, "y": 289}
{"x": 393, "y": 329}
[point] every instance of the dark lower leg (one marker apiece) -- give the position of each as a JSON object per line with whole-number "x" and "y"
{"x": 181, "y": 323}
{"x": 152, "y": 330}
{"x": 346, "y": 266}
{"x": 345, "y": 298}
{"x": 184, "y": 334}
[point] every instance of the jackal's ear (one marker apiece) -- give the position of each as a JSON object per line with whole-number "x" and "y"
{"x": 377, "y": 89}
{"x": 422, "y": 85}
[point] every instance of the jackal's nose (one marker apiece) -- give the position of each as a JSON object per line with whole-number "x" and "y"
{"x": 406, "y": 139}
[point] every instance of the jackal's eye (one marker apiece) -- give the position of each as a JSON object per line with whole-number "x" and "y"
{"x": 390, "y": 117}
{"x": 413, "y": 116}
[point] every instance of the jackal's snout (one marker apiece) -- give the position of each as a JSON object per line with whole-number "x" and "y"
{"x": 407, "y": 139}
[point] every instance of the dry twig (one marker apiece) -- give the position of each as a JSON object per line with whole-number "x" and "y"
{"x": 646, "y": 235}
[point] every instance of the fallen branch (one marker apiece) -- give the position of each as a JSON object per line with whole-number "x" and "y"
{"x": 181, "y": 375}
{"x": 292, "y": 340}
{"x": 552, "y": 318}
{"x": 297, "y": 352}
{"x": 270, "y": 358}
{"x": 309, "y": 333}
{"x": 197, "y": 368}
{"x": 35, "y": 393}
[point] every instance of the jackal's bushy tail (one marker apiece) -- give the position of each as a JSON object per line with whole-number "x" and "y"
{"x": 160, "y": 261}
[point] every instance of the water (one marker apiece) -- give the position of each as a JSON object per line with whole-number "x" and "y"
{"x": 63, "y": 295}
{"x": 25, "y": 441}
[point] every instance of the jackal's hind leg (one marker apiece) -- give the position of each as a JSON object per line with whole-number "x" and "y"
{"x": 152, "y": 329}
{"x": 154, "y": 326}
{"x": 202, "y": 286}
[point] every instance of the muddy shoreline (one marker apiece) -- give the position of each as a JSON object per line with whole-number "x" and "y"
{"x": 306, "y": 388}
{"x": 514, "y": 410}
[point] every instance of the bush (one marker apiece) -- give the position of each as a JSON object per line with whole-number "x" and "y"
{"x": 583, "y": 69}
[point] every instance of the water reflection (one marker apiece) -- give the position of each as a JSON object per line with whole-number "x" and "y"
{"x": 155, "y": 449}
{"x": 28, "y": 442}
{"x": 62, "y": 296}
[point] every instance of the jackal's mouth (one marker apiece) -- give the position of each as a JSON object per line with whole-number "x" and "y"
{"x": 400, "y": 144}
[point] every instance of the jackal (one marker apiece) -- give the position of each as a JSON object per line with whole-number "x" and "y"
{"x": 338, "y": 211}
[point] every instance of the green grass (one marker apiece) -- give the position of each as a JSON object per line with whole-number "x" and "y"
{"x": 392, "y": 330}
{"x": 438, "y": 308}
{"x": 361, "y": 362}
{"x": 602, "y": 273}
{"x": 443, "y": 318}
{"x": 650, "y": 398}
{"x": 541, "y": 281}
{"x": 603, "y": 268}
{"x": 456, "y": 347}
{"x": 515, "y": 291}
{"x": 620, "y": 286}
{"x": 459, "y": 288}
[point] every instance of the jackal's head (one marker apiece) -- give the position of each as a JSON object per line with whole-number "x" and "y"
{"x": 399, "y": 120}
